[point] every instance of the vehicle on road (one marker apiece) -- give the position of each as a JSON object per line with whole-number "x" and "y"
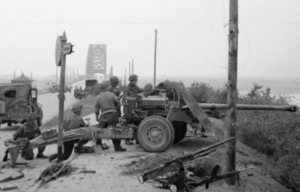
{"x": 90, "y": 87}
{"x": 53, "y": 88}
{"x": 18, "y": 102}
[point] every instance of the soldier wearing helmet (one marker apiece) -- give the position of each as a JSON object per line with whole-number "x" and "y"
{"x": 131, "y": 90}
{"x": 114, "y": 82}
{"x": 147, "y": 90}
{"x": 107, "y": 103}
{"x": 30, "y": 130}
{"x": 72, "y": 122}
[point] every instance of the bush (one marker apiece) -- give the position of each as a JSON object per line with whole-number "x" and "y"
{"x": 274, "y": 133}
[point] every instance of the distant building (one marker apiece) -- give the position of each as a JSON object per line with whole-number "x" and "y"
{"x": 22, "y": 79}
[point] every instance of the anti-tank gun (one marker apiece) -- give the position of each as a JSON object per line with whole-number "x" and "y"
{"x": 162, "y": 118}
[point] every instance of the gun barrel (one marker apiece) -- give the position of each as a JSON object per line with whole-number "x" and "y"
{"x": 290, "y": 108}
{"x": 209, "y": 148}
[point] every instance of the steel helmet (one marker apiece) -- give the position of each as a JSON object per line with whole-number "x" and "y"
{"x": 148, "y": 87}
{"x": 77, "y": 108}
{"x": 133, "y": 77}
{"x": 113, "y": 79}
{"x": 104, "y": 85}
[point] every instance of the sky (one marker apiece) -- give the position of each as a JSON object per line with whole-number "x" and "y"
{"x": 192, "y": 36}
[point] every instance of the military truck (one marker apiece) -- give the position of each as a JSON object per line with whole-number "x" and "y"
{"x": 162, "y": 118}
{"x": 90, "y": 87}
{"x": 18, "y": 102}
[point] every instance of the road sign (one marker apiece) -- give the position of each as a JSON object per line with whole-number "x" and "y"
{"x": 58, "y": 51}
{"x": 68, "y": 49}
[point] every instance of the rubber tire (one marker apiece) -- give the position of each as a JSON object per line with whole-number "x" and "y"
{"x": 180, "y": 129}
{"x": 167, "y": 129}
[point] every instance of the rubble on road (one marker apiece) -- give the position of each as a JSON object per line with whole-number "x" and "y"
{"x": 10, "y": 174}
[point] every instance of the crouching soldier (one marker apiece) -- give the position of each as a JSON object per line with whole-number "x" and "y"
{"x": 30, "y": 130}
{"x": 72, "y": 122}
{"x": 107, "y": 103}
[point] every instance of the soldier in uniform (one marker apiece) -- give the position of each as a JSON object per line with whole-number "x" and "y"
{"x": 30, "y": 130}
{"x": 72, "y": 122}
{"x": 114, "y": 82}
{"x": 147, "y": 90}
{"x": 131, "y": 90}
{"x": 107, "y": 103}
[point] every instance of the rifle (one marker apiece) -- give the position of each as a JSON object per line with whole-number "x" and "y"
{"x": 172, "y": 172}
{"x": 215, "y": 177}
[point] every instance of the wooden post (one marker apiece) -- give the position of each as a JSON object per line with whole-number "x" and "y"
{"x": 132, "y": 66}
{"x": 61, "y": 100}
{"x": 56, "y": 75}
{"x": 155, "y": 46}
{"x": 129, "y": 71}
{"x": 232, "y": 89}
{"x": 125, "y": 77}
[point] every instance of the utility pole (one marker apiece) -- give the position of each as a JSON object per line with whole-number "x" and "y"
{"x": 155, "y": 45}
{"x": 129, "y": 69}
{"x": 125, "y": 78}
{"x": 232, "y": 89}
{"x": 56, "y": 74}
{"x": 77, "y": 73}
{"x": 132, "y": 66}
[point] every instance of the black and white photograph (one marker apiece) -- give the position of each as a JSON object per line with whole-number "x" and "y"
{"x": 149, "y": 96}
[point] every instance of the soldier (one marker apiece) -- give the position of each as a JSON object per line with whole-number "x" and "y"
{"x": 72, "y": 122}
{"x": 131, "y": 90}
{"x": 114, "y": 82}
{"x": 107, "y": 103}
{"x": 147, "y": 90}
{"x": 30, "y": 130}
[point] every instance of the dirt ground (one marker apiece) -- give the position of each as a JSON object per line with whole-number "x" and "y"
{"x": 118, "y": 171}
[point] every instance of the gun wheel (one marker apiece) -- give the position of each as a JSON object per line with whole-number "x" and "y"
{"x": 155, "y": 134}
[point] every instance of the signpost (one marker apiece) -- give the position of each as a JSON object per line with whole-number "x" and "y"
{"x": 62, "y": 49}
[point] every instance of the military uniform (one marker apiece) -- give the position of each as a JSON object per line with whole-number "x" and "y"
{"x": 130, "y": 91}
{"x": 29, "y": 130}
{"x": 71, "y": 123}
{"x": 108, "y": 103}
{"x": 113, "y": 88}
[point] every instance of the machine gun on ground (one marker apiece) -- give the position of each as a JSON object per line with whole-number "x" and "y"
{"x": 172, "y": 174}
